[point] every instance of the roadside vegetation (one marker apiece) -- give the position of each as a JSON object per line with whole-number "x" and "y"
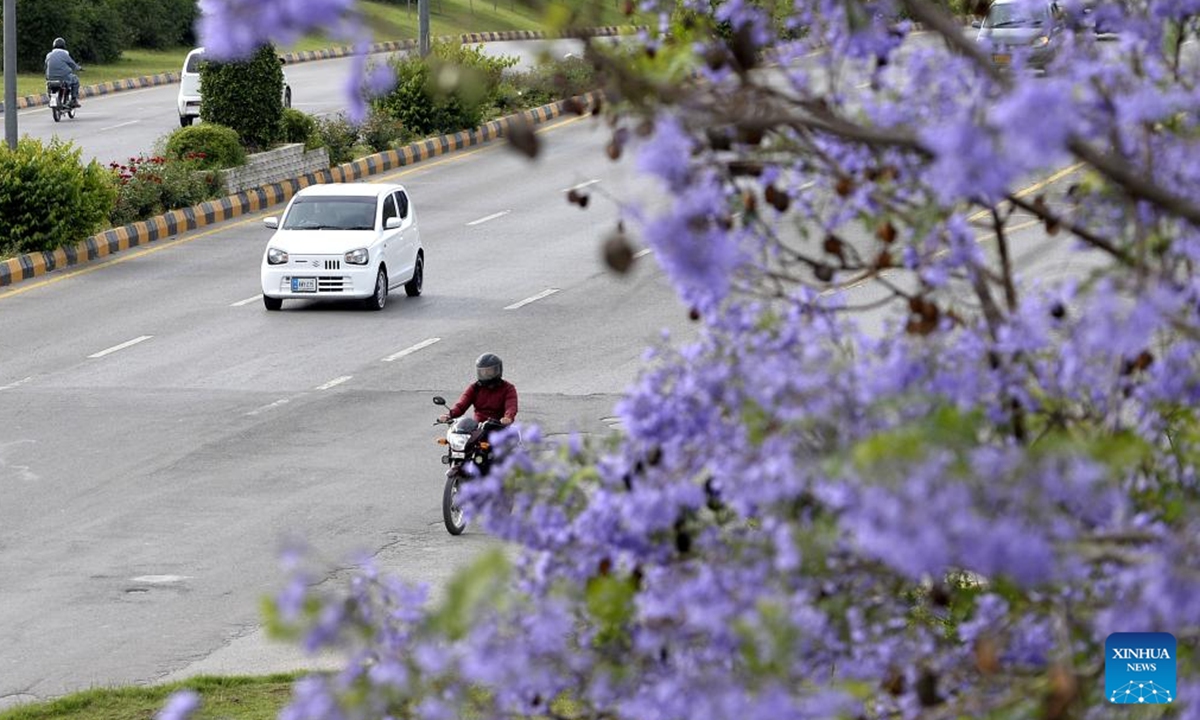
{"x": 246, "y": 116}
{"x": 122, "y": 56}
{"x": 232, "y": 698}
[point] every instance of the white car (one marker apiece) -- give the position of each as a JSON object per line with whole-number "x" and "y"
{"x": 188, "y": 100}
{"x": 344, "y": 241}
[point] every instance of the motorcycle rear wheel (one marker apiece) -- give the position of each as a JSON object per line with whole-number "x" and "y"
{"x": 452, "y": 514}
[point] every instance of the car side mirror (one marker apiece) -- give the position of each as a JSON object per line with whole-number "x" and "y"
{"x": 439, "y": 400}
{"x": 392, "y": 223}
{"x": 271, "y": 222}
{"x": 976, "y": 24}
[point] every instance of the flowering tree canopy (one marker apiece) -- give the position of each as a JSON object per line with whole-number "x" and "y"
{"x": 808, "y": 514}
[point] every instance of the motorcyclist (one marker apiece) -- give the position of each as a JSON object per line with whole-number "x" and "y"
{"x": 494, "y": 397}
{"x": 60, "y": 66}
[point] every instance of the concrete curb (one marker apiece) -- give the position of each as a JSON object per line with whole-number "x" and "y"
{"x": 145, "y": 81}
{"x": 26, "y": 267}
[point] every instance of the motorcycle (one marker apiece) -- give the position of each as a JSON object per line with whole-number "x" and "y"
{"x": 465, "y": 444}
{"x": 59, "y": 93}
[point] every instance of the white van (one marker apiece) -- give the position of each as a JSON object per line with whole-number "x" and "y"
{"x": 189, "y": 88}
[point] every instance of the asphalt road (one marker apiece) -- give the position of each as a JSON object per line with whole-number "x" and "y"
{"x": 125, "y": 124}
{"x": 147, "y": 489}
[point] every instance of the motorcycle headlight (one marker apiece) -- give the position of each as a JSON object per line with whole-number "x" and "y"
{"x": 1042, "y": 41}
{"x": 358, "y": 257}
{"x": 458, "y": 442}
{"x": 275, "y": 256}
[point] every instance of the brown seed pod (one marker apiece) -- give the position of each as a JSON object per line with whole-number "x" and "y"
{"x": 777, "y": 198}
{"x": 886, "y": 232}
{"x": 618, "y": 255}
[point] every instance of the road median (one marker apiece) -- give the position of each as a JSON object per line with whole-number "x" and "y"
{"x": 168, "y": 78}
{"x": 161, "y": 227}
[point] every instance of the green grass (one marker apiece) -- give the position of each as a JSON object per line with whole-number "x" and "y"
{"x": 236, "y": 698}
{"x": 395, "y": 20}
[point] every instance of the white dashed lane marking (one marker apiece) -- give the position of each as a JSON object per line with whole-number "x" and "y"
{"x": 122, "y": 346}
{"x": 334, "y": 382}
{"x": 580, "y": 186}
{"x": 16, "y": 384}
{"x": 411, "y": 350}
{"x": 535, "y": 298}
{"x": 247, "y": 301}
{"x": 493, "y": 216}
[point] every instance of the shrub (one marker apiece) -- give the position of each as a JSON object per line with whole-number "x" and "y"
{"x": 446, "y": 92}
{"x": 149, "y": 186}
{"x": 209, "y": 146}
{"x": 379, "y": 131}
{"x": 48, "y": 198}
{"x": 338, "y": 136}
{"x": 298, "y": 127}
{"x": 245, "y": 95}
{"x": 547, "y": 83}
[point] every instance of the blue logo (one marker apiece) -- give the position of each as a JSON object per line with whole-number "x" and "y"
{"x": 1139, "y": 668}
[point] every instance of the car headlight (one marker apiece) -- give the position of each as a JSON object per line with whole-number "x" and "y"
{"x": 1042, "y": 41}
{"x": 358, "y": 257}
{"x": 275, "y": 256}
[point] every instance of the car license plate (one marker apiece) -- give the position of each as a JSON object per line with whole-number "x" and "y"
{"x": 304, "y": 284}
{"x": 1002, "y": 58}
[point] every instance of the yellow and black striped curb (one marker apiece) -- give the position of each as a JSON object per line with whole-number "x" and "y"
{"x": 145, "y": 81}
{"x": 32, "y": 265}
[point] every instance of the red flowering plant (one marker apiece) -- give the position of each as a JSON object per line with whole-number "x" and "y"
{"x": 150, "y": 185}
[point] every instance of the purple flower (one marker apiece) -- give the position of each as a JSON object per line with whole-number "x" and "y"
{"x": 180, "y": 705}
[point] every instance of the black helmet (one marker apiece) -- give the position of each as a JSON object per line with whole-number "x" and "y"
{"x": 59, "y": 43}
{"x": 489, "y": 369}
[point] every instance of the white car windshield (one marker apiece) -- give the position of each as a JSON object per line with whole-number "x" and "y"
{"x": 331, "y": 213}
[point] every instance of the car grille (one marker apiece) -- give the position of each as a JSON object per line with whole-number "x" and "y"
{"x": 331, "y": 284}
{"x": 317, "y": 263}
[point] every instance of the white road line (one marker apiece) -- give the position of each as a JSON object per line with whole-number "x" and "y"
{"x": 18, "y": 383}
{"x": 642, "y": 253}
{"x": 120, "y": 125}
{"x": 122, "y": 346}
{"x": 334, "y": 382}
{"x": 580, "y": 186}
{"x": 264, "y": 408}
{"x": 493, "y": 216}
{"x": 247, "y": 301}
{"x": 405, "y": 351}
{"x": 535, "y": 298}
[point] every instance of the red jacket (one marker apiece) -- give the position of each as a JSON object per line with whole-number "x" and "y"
{"x": 491, "y": 403}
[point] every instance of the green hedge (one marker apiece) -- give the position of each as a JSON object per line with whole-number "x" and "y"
{"x": 48, "y": 198}
{"x": 245, "y": 95}
{"x": 207, "y": 145}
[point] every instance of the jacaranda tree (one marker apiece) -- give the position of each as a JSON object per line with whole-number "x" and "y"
{"x": 935, "y": 499}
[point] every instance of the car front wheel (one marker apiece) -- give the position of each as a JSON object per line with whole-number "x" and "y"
{"x": 379, "y": 299}
{"x": 271, "y": 303}
{"x": 185, "y": 120}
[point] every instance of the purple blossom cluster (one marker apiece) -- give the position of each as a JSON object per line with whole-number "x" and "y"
{"x": 939, "y": 504}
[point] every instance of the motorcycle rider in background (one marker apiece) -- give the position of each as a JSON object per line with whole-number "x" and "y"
{"x": 60, "y": 66}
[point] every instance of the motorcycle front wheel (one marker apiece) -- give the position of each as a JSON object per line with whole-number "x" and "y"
{"x": 57, "y": 115}
{"x": 452, "y": 514}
